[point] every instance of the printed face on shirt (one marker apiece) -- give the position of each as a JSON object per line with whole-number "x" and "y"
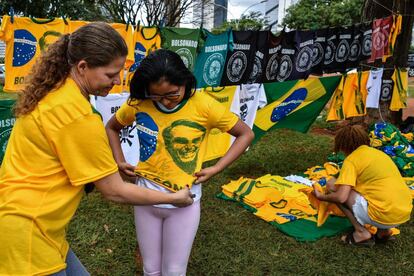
{"x": 100, "y": 80}
{"x": 237, "y": 66}
{"x": 183, "y": 140}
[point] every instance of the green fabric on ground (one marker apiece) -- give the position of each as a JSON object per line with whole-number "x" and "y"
{"x": 307, "y": 231}
{"x": 304, "y": 230}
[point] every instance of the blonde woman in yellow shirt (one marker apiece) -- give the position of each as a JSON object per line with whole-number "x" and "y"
{"x": 369, "y": 190}
{"x": 58, "y": 144}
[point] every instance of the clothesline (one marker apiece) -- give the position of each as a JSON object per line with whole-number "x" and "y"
{"x": 377, "y": 67}
{"x": 394, "y": 13}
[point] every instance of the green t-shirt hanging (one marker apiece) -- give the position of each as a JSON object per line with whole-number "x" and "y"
{"x": 209, "y": 66}
{"x": 183, "y": 41}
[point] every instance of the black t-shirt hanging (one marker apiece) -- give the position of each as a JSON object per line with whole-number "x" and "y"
{"x": 272, "y": 58}
{"x": 366, "y": 31}
{"x": 332, "y": 40}
{"x": 259, "y": 58}
{"x": 387, "y": 86}
{"x": 355, "y": 49}
{"x": 239, "y": 62}
{"x": 343, "y": 48}
{"x": 318, "y": 55}
{"x": 296, "y": 55}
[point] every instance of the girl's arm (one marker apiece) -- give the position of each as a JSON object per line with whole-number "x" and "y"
{"x": 113, "y": 127}
{"x": 244, "y": 136}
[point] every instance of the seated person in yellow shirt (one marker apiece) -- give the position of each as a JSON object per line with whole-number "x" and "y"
{"x": 369, "y": 190}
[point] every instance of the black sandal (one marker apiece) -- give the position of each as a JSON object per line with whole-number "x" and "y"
{"x": 383, "y": 239}
{"x": 350, "y": 240}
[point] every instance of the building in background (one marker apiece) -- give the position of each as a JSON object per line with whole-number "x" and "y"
{"x": 275, "y": 11}
{"x": 209, "y": 13}
{"x": 220, "y": 12}
{"x": 2, "y": 49}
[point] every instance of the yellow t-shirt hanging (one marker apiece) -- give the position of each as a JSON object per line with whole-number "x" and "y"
{"x": 400, "y": 89}
{"x": 76, "y": 24}
{"x": 52, "y": 152}
{"x": 126, "y": 32}
{"x": 146, "y": 40}
{"x": 394, "y": 32}
{"x": 218, "y": 142}
{"x": 355, "y": 94}
{"x": 26, "y": 38}
{"x": 336, "y": 109}
{"x": 173, "y": 143}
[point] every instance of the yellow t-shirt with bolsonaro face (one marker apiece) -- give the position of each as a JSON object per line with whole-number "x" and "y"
{"x": 52, "y": 152}
{"x": 374, "y": 175}
{"x": 173, "y": 144}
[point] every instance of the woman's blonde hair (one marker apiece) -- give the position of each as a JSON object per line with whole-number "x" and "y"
{"x": 349, "y": 138}
{"x": 96, "y": 43}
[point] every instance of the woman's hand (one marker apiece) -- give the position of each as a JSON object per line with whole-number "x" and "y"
{"x": 317, "y": 193}
{"x": 182, "y": 198}
{"x": 205, "y": 174}
{"x": 127, "y": 169}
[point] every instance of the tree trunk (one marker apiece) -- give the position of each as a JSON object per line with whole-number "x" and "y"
{"x": 374, "y": 9}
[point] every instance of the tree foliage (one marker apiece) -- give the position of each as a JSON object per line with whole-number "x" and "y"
{"x": 253, "y": 21}
{"x": 77, "y": 9}
{"x": 151, "y": 12}
{"x": 121, "y": 11}
{"x": 316, "y": 14}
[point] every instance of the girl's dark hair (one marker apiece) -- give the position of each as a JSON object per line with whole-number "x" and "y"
{"x": 161, "y": 64}
{"x": 96, "y": 43}
{"x": 349, "y": 138}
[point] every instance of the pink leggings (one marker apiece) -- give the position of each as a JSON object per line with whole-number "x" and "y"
{"x": 165, "y": 237}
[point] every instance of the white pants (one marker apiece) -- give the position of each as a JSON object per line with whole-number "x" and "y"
{"x": 360, "y": 210}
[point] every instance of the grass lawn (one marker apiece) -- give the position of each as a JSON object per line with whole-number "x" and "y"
{"x": 411, "y": 91}
{"x": 232, "y": 241}
{"x": 411, "y": 87}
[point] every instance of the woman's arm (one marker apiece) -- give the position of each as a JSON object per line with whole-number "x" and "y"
{"x": 113, "y": 188}
{"x": 113, "y": 127}
{"x": 244, "y": 136}
{"x": 339, "y": 196}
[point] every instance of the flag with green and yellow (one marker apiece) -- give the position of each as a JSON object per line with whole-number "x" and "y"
{"x": 294, "y": 104}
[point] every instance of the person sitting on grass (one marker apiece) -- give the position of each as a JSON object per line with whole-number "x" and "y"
{"x": 369, "y": 190}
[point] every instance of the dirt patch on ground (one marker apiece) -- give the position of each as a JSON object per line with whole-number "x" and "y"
{"x": 409, "y": 111}
{"x": 322, "y": 131}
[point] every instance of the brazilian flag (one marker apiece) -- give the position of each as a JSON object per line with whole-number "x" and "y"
{"x": 294, "y": 104}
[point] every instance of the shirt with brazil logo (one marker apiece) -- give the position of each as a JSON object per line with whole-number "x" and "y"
{"x": 210, "y": 61}
{"x": 183, "y": 41}
{"x": 173, "y": 143}
{"x": 26, "y": 38}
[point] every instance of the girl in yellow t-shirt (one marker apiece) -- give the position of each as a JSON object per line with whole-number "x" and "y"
{"x": 369, "y": 190}
{"x": 173, "y": 122}
{"x": 57, "y": 146}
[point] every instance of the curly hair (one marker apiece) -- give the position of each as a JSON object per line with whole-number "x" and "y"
{"x": 96, "y": 43}
{"x": 349, "y": 138}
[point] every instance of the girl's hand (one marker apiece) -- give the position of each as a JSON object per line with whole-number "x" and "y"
{"x": 205, "y": 174}
{"x": 182, "y": 198}
{"x": 127, "y": 169}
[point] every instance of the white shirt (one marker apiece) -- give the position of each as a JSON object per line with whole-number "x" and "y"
{"x": 107, "y": 106}
{"x": 374, "y": 88}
